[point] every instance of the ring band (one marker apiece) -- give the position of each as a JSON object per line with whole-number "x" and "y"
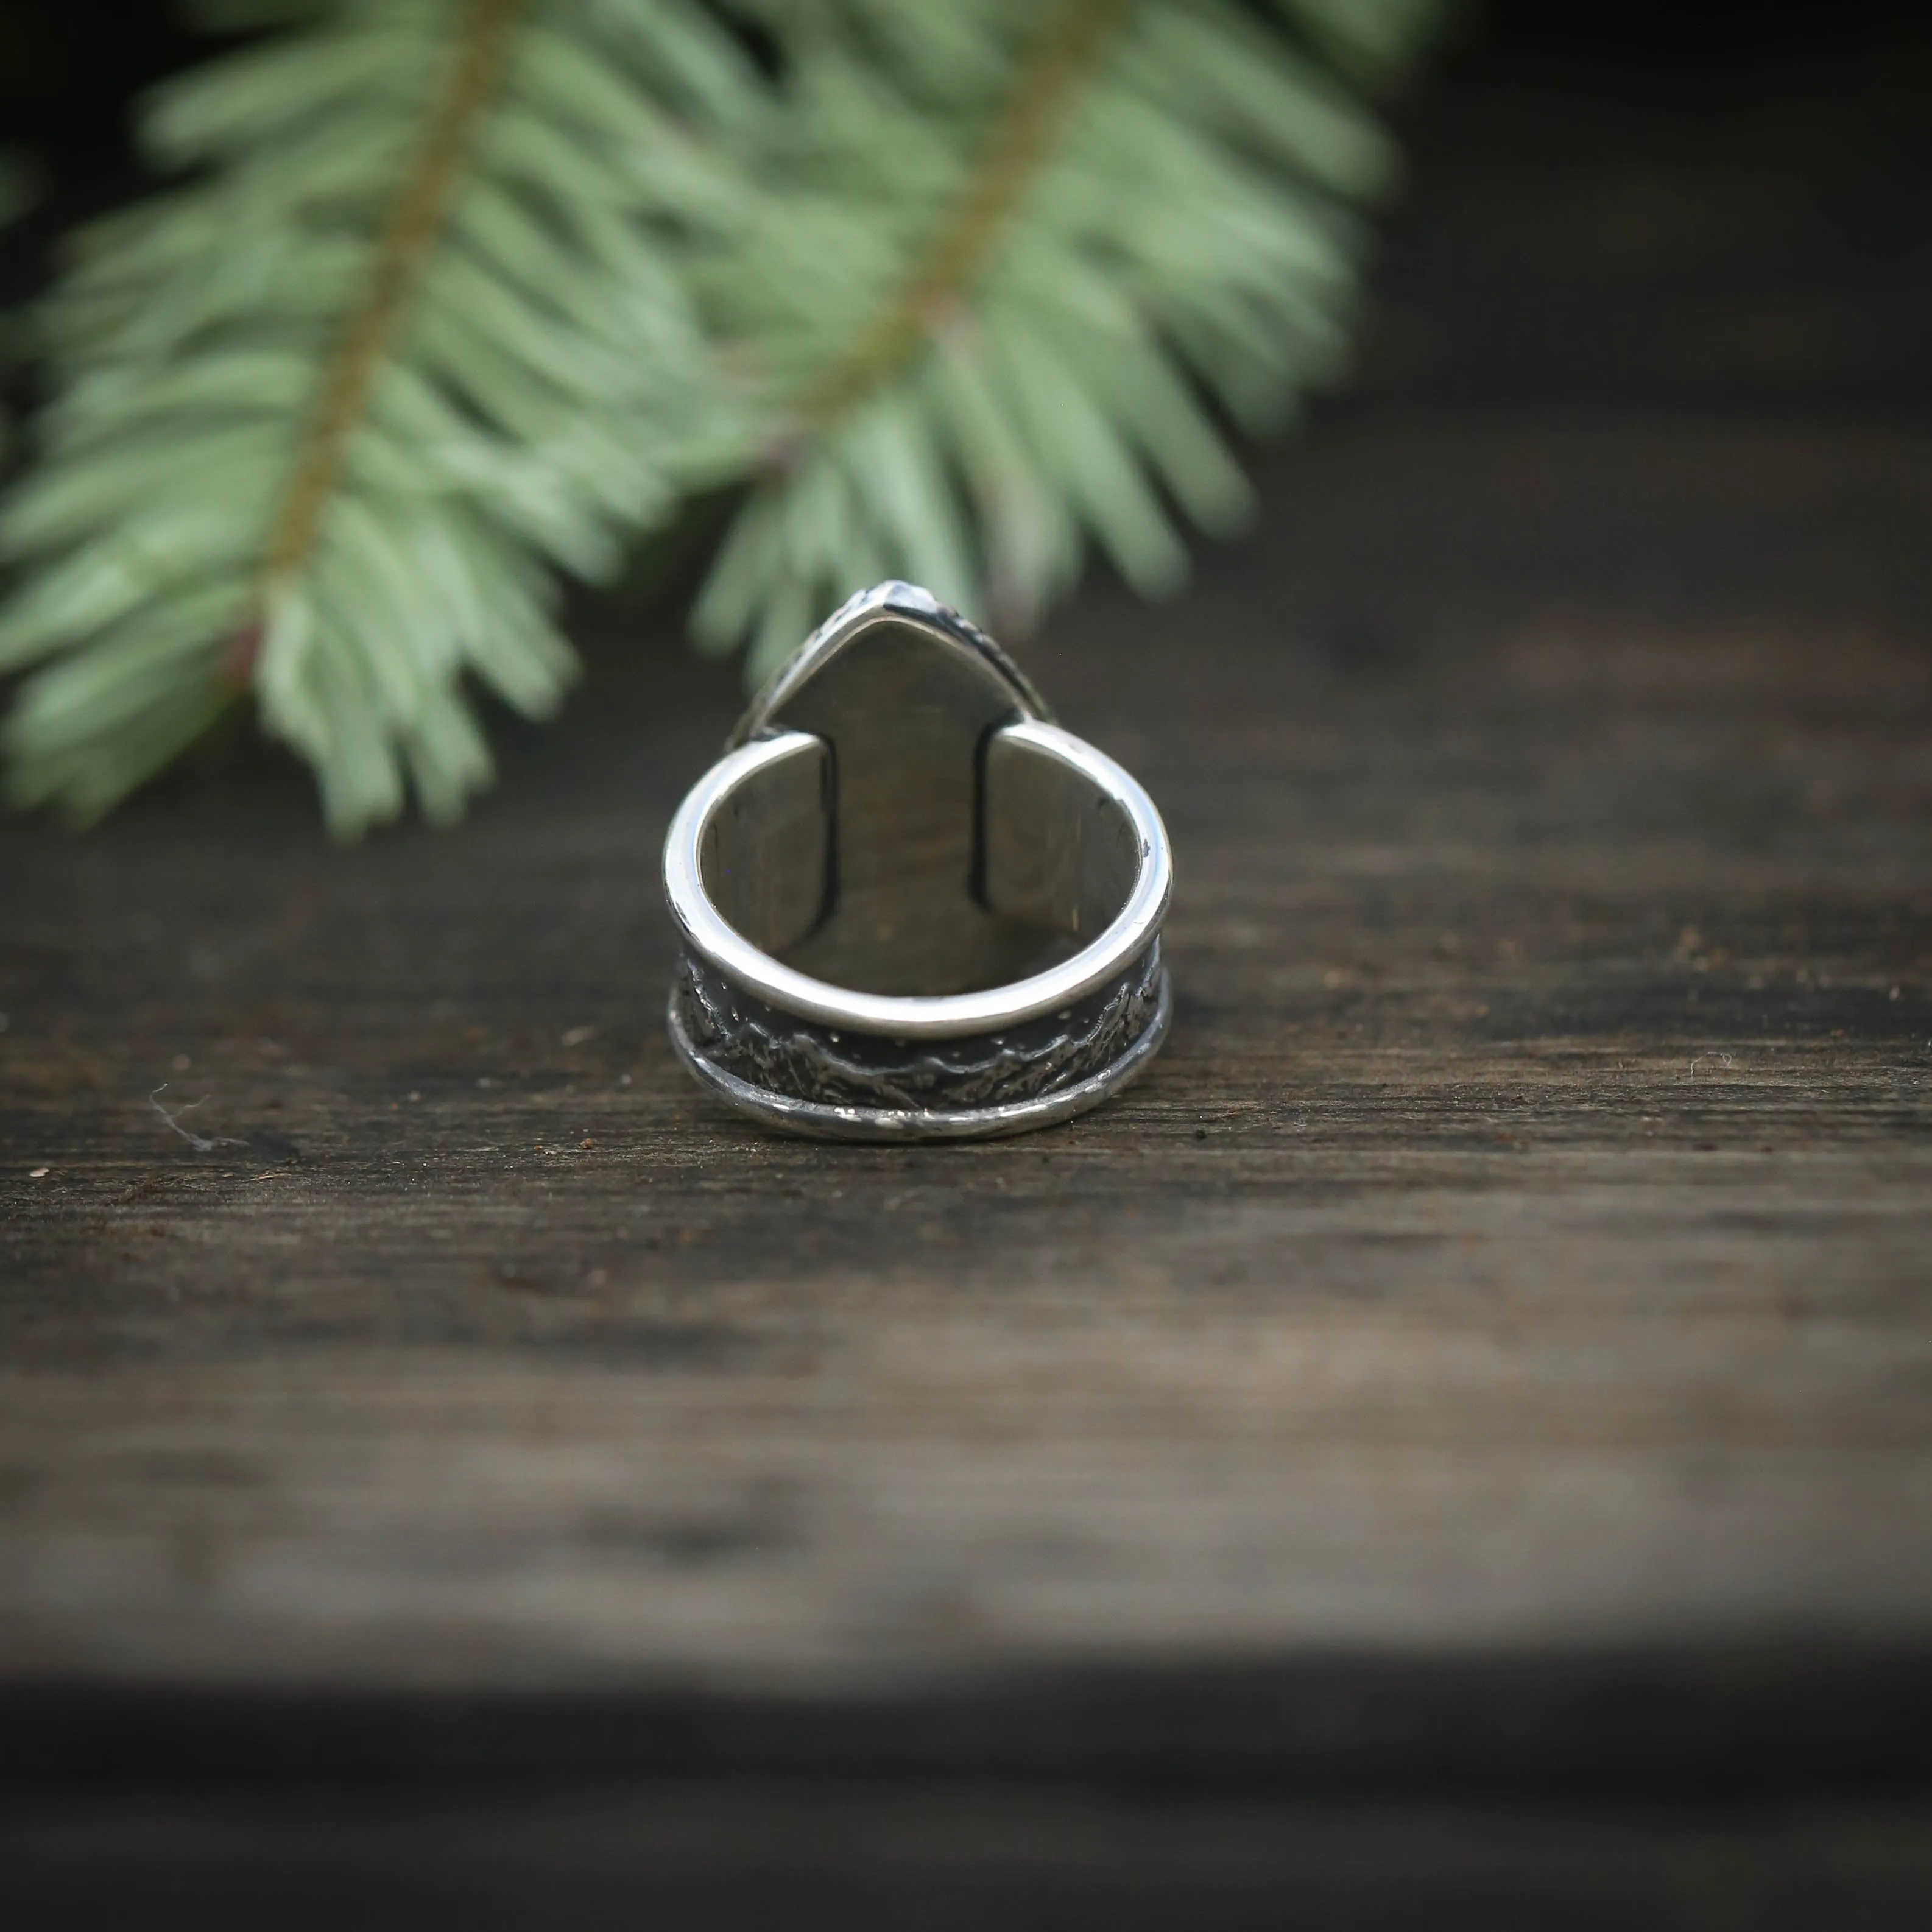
{"x": 912, "y": 906}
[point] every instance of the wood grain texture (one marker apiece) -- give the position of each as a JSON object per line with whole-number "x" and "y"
{"x": 1522, "y": 1249}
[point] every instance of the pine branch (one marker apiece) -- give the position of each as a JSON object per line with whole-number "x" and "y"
{"x": 325, "y": 418}
{"x": 1098, "y": 227}
{"x": 462, "y": 293}
{"x": 1051, "y": 74}
{"x": 415, "y": 216}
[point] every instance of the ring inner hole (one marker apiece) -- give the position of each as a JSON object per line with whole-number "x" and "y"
{"x": 881, "y": 877}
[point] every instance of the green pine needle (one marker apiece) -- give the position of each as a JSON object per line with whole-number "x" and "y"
{"x": 461, "y": 294}
{"x": 312, "y": 437}
{"x": 971, "y": 400}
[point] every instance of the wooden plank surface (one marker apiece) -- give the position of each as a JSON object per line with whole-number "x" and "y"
{"x": 1522, "y": 1249}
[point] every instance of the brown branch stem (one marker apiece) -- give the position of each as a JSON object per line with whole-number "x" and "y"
{"x": 409, "y": 230}
{"x": 1020, "y": 143}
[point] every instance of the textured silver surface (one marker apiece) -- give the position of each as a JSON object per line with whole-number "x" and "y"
{"x": 758, "y": 1043}
{"x": 835, "y": 1120}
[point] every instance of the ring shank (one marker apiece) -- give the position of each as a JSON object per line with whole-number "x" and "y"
{"x": 1056, "y": 885}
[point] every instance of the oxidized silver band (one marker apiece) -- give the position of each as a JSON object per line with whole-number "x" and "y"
{"x": 913, "y": 908}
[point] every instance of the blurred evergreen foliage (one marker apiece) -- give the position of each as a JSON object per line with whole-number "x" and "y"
{"x": 456, "y": 295}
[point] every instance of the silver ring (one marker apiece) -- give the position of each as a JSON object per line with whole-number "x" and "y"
{"x": 914, "y": 907}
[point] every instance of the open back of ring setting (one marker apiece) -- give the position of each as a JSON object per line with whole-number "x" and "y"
{"x": 912, "y": 906}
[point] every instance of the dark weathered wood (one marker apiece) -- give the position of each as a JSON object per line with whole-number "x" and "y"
{"x": 1521, "y": 1257}
{"x": 957, "y": 1860}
